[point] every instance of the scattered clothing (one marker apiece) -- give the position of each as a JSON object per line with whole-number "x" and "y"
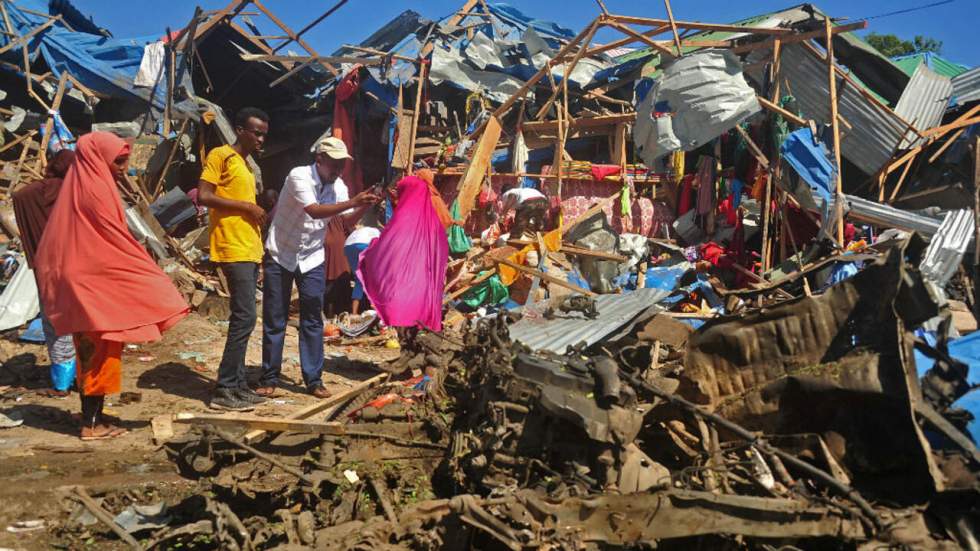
{"x": 404, "y": 270}
{"x": 517, "y": 196}
{"x": 345, "y": 123}
{"x": 93, "y": 276}
{"x": 234, "y": 238}
{"x": 99, "y": 365}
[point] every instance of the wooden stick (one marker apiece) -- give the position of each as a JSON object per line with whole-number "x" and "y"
{"x": 42, "y": 159}
{"x": 673, "y": 27}
{"x": 415, "y": 117}
{"x": 699, "y": 26}
{"x": 832, "y": 82}
{"x": 171, "y": 60}
{"x": 23, "y": 39}
{"x": 753, "y": 148}
{"x": 170, "y": 158}
{"x": 296, "y": 38}
{"x": 17, "y": 140}
{"x": 945, "y": 145}
{"x": 103, "y": 516}
{"x": 901, "y": 180}
{"x": 268, "y": 424}
{"x": 322, "y": 405}
{"x": 621, "y": 27}
{"x": 464, "y": 289}
{"x": 591, "y": 212}
{"x": 544, "y": 276}
{"x": 602, "y": 6}
{"x": 777, "y": 109}
{"x": 798, "y": 37}
{"x": 624, "y": 41}
{"x": 976, "y": 225}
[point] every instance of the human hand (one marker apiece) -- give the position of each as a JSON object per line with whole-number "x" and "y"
{"x": 255, "y": 214}
{"x": 365, "y": 198}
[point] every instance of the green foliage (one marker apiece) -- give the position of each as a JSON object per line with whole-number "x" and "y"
{"x": 891, "y": 46}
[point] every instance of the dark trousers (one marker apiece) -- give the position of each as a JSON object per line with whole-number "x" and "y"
{"x": 276, "y": 290}
{"x": 242, "y": 279}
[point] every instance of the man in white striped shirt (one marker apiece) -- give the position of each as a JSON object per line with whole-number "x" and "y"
{"x": 310, "y": 195}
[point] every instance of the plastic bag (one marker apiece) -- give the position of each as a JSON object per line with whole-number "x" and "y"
{"x": 62, "y": 375}
{"x": 459, "y": 242}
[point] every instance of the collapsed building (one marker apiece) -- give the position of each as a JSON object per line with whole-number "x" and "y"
{"x": 746, "y": 328}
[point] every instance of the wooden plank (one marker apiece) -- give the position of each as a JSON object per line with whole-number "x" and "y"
{"x": 452, "y": 22}
{"x": 550, "y": 279}
{"x": 323, "y": 405}
{"x": 423, "y": 78}
{"x": 399, "y": 157}
{"x": 311, "y": 58}
{"x": 326, "y": 64}
{"x": 22, "y": 40}
{"x": 626, "y": 41}
{"x": 462, "y": 290}
{"x": 637, "y": 36}
{"x": 798, "y": 37}
{"x": 949, "y": 142}
{"x": 673, "y": 27}
{"x": 777, "y": 109}
{"x": 650, "y": 22}
{"x": 548, "y": 127}
{"x": 469, "y": 184}
{"x": 835, "y": 126}
{"x": 267, "y": 424}
{"x": 901, "y": 179}
{"x": 42, "y": 159}
{"x": 753, "y": 148}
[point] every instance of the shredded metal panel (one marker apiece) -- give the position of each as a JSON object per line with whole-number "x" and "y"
{"x": 966, "y": 87}
{"x": 946, "y": 249}
{"x": 924, "y": 101}
{"x": 874, "y": 131}
{"x": 557, "y": 334}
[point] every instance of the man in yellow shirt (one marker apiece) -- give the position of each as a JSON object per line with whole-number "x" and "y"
{"x": 227, "y": 188}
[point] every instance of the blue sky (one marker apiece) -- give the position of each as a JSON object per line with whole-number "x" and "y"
{"x": 955, "y": 24}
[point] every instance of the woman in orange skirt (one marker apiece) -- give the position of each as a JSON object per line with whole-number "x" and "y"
{"x": 96, "y": 281}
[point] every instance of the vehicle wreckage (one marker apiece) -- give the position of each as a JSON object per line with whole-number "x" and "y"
{"x": 796, "y": 425}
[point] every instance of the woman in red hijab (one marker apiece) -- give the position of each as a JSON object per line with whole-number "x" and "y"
{"x": 96, "y": 281}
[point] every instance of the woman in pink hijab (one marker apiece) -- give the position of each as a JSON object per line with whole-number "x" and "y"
{"x": 404, "y": 270}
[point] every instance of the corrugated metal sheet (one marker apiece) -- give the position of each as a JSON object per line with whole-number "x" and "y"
{"x": 966, "y": 87}
{"x": 874, "y": 131}
{"x": 557, "y": 334}
{"x": 924, "y": 101}
{"x": 878, "y": 214}
{"x": 945, "y": 252}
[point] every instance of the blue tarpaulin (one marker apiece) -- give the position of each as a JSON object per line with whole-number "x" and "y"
{"x": 104, "y": 65}
{"x": 967, "y": 350}
{"x": 810, "y": 161}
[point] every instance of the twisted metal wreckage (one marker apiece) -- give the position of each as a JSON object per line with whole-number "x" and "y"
{"x": 808, "y": 411}
{"x": 801, "y": 424}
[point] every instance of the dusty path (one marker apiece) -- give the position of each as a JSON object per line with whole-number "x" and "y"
{"x": 176, "y": 374}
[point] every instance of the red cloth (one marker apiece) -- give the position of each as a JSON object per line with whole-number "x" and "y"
{"x": 601, "y": 171}
{"x": 684, "y": 201}
{"x": 93, "y": 276}
{"x": 345, "y": 126}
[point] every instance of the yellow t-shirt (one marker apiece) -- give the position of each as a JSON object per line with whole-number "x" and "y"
{"x": 233, "y": 237}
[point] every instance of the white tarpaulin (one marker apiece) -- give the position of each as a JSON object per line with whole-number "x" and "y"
{"x": 698, "y": 97}
{"x": 150, "y": 65}
{"x": 19, "y": 302}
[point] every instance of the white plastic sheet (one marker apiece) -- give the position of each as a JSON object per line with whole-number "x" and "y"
{"x": 19, "y": 302}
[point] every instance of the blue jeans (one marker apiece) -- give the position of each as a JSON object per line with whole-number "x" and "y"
{"x": 277, "y": 288}
{"x": 353, "y": 254}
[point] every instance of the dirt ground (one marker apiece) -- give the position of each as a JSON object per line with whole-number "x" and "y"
{"x": 42, "y": 457}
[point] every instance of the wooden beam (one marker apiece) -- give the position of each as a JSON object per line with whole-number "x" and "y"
{"x": 798, "y": 37}
{"x": 580, "y": 122}
{"x": 22, "y": 40}
{"x": 591, "y": 212}
{"x": 901, "y": 179}
{"x": 464, "y": 289}
{"x": 753, "y": 148}
{"x": 476, "y": 170}
{"x": 326, "y": 64}
{"x": 265, "y": 424}
{"x": 777, "y": 109}
{"x": 312, "y": 24}
{"x": 379, "y": 53}
{"x": 323, "y": 405}
{"x": 550, "y": 279}
{"x": 834, "y": 124}
{"x": 313, "y": 58}
{"x": 453, "y": 21}
{"x": 698, "y": 26}
{"x": 621, "y": 27}
{"x": 422, "y": 79}
{"x": 673, "y": 28}
{"x": 42, "y": 158}
{"x": 569, "y": 68}
{"x": 624, "y": 41}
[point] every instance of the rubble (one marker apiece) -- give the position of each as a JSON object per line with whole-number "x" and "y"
{"x": 741, "y": 314}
